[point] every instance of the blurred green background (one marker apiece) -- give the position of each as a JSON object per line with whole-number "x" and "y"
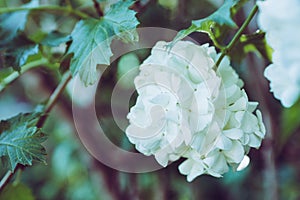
{"x": 73, "y": 174}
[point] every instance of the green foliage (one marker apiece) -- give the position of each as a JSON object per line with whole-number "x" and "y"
{"x": 10, "y": 26}
{"x": 16, "y": 192}
{"x": 20, "y": 140}
{"x": 13, "y": 42}
{"x": 255, "y": 43}
{"x": 214, "y": 24}
{"x": 127, "y": 63}
{"x": 92, "y": 39}
{"x": 19, "y": 51}
{"x": 55, "y": 38}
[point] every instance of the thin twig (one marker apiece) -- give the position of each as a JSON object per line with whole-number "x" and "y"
{"x": 5, "y": 179}
{"x": 98, "y": 8}
{"x": 237, "y": 36}
{"x": 54, "y": 96}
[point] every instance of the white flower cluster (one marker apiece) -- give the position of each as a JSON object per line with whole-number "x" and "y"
{"x": 280, "y": 20}
{"x": 187, "y": 109}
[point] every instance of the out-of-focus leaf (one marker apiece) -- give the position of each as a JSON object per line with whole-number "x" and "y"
{"x": 127, "y": 63}
{"x": 16, "y": 192}
{"x": 169, "y": 4}
{"x": 20, "y": 140}
{"x": 12, "y": 23}
{"x": 18, "y": 52}
{"x": 55, "y": 38}
{"x": 256, "y": 43}
{"x": 92, "y": 39}
{"x": 214, "y": 23}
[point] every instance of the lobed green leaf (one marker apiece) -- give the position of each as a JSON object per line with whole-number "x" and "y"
{"x": 92, "y": 39}
{"x": 215, "y": 23}
{"x": 20, "y": 140}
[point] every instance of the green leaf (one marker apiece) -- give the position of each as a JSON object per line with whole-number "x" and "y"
{"x": 214, "y": 23}
{"x": 55, "y": 38}
{"x": 19, "y": 192}
{"x": 126, "y": 63}
{"x": 12, "y": 23}
{"x": 20, "y": 140}
{"x": 18, "y": 51}
{"x": 92, "y": 39}
{"x": 255, "y": 43}
{"x": 125, "y": 73}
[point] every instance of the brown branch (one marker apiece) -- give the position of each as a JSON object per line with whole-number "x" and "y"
{"x": 259, "y": 89}
{"x": 98, "y": 8}
{"x": 266, "y": 102}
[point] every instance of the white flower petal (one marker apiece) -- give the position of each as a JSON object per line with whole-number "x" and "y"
{"x": 223, "y": 142}
{"x": 245, "y": 162}
{"x": 233, "y": 133}
{"x": 235, "y": 154}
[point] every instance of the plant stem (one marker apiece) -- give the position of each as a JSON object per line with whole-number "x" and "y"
{"x": 215, "y": 41}
{"x": 5, "y": 179}
{"x": 54, "y": 96}
{"x": 10, "y": 78}
{"x": 237, "y": 36}
{"x": 68, "y": 2}
{"x": 47, "y": 8}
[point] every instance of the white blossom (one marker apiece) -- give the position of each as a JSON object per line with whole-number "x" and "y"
{"x": 280, "y": 20}
{"x": 186, "y": 108}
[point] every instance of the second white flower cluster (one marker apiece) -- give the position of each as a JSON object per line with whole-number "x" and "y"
{"x": 280, "y": 20}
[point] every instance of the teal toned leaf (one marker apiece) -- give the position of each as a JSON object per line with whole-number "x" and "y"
{"x": 18, "y": 52}
{"x": 19, "y": 192}
{"x": 12, "y": 23}
{"x": 214, "y": 23}
{"x": 255, "y": 43}
{"x": 92, "y": 39}
{"x": 55, "y": 38}
{"x": 20, "y": 140}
